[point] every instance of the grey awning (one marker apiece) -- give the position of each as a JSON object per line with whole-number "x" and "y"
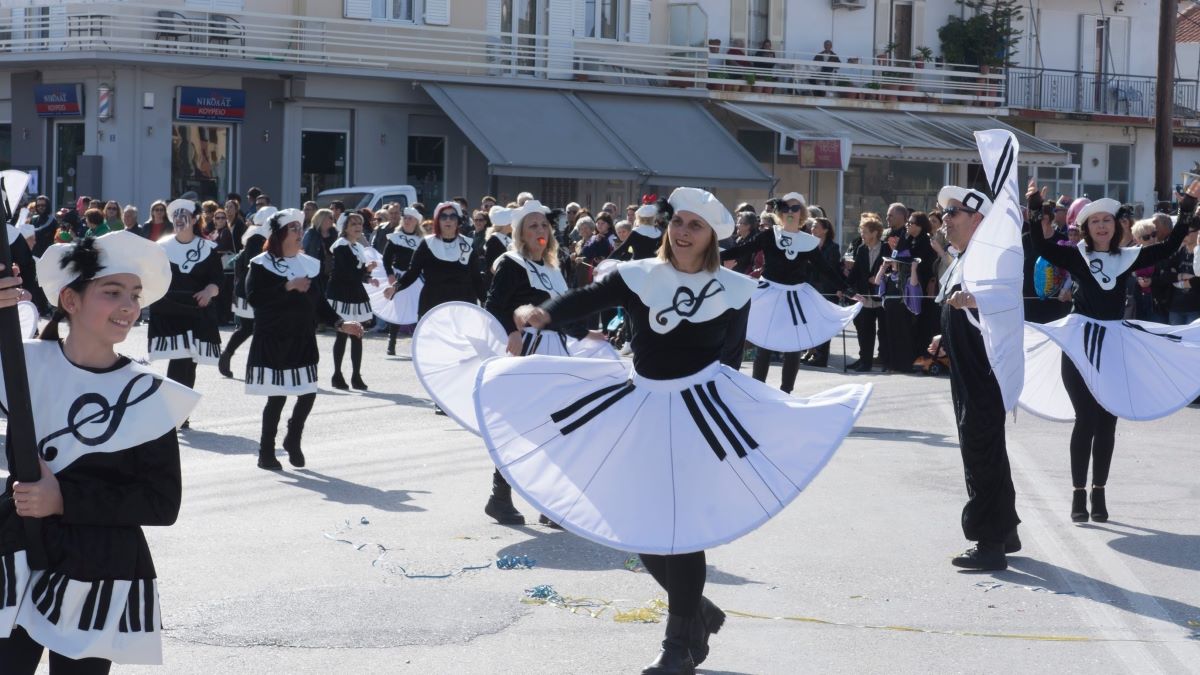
{"x": 896, "y": 135}
{"x": 678, "y": 141}
{"x": 534, "y": 132}
{"x": 552, "y": 134}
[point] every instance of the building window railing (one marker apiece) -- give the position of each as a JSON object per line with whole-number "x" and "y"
{"x": 1095, "y": 93}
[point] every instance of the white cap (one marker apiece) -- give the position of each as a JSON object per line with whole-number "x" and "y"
{"x": 181, "y": 205}
{"x": 443, "y": 205}
{"x": 647, "y": 211}
{"x": 795, "y": 196}
{"x": 1106, "y": 205}
{"x": 121, "y": 252}
{"x": 972, "y": 199}
{"x": 705, "y": 205}
{"x": 286, "y": 216}
{"x": 260, "y": 216}
{"x": 518, "y": 214}
{"x": 500, "y": 216}
{"x": 410, "y": 212}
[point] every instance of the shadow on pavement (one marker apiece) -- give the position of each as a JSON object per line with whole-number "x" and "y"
{"x": 1031, "y": 572}
{"x": 1156, "y": 546}
{"x": 904, "y": 435}
{"x": 346, "y": 492}
{"x": 222, "y": 444}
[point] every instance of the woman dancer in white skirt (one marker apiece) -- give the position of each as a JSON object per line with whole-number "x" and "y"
{"x": 104, "y": 476}
{"x": 680, "y": 455}
{"x": 787, "y": 314}
{"x": 183, "y": 324}
{"x": 348, "y": 297}
{"x": 253, "y": 241}
{"x": 283, "y": 352}
{"x": 397, "y": 254}
{"x": 1110, "y": 368}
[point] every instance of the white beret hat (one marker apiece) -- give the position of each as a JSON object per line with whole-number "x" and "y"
{"x": 705, "y": 205}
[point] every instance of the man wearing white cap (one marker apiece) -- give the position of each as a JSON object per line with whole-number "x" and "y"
{"x": 990, "y": 515}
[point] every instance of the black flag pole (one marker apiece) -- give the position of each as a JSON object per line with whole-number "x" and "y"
{"x": 22, "y": 438}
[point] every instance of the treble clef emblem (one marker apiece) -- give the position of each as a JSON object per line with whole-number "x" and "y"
{"x": 192, "y": 256}
{"x": 686, "y": 303}
{"x": 409, "y": 242}
{"x": 542, "y": 277}
{"x": 280, "y": 265}
{"x": 785, "y": 241}
{"x": 1097, "y": 267}
{"x": 111, "y": 415}
{"x": 464, "y": 250}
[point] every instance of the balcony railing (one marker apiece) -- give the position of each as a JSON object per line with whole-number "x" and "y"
{"x": 133, "y": 27}
{"x": 1096, "y": 93}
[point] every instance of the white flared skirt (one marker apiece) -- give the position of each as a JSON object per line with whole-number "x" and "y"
{"x": 454, "y": 338}
{"x": 401, "y": 309}
{"x": 1136, "y": 370}
{"x": 791, "y": 318}
{"x": 114, "y": 619}
{"x": 184, "y": 346}
{"x": 655, "y": 466}
{"x": 242, "y": 308}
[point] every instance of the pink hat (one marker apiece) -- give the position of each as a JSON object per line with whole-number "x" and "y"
{"x": 1076, "y": 207}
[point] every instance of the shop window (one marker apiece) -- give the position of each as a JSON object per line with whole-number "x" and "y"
{"x": 427, "y": 168}
{"x": 873, "y": 184}
{"x": 759, "y": 143}
{"x": 200, "y": 160}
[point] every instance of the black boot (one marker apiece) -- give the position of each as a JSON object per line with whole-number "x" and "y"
{"x": 391, "y": 348}
{"x": 266, "y": 454}
{"x": 223, "y": 364}
{"x": 356, "y": 381}
{"x": 1079, "y": 512}
{"x": 545, "y": 520}
{"x": 291, "y": 443}
{"x": 339, "y": 382}
{"x": 708, "y": 621}
{"x": 984, "y": 557}
{"x": 1099, "y": 507}
{"x": 675, "y": 658}
{"x": 500, "y": 506}
{"x": 862, "y": 366}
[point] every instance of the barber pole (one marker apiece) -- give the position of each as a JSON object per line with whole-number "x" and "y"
{"x": 104, "y": 102}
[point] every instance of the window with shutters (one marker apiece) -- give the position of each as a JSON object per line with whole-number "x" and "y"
{"x": 605, "y": 19}
{"x": 757, "y": 25}
{"x": 756, "y": 21}
{"x": 688, "y": 26}
{"x": 393, "y": 10}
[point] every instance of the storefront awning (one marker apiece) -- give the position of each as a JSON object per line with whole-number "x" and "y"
{"x": 678, "y": 141}
{"x": 545, "y": 133}
{"x": 534, "y": 132}
{"x": 897, "y": 135}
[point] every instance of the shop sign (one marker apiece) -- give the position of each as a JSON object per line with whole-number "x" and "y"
{"x": 210, "y": 105}
{"x": 825, "y": 153}
{"x": 58, "y": 100}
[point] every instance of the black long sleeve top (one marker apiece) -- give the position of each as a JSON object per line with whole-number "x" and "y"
{"x": 687, "y": 349}
{"x": 396, "y": 257}
{"x": 510, "y": 289}
{"x": 441, "y": 274}
{"x": 637, "y": 247}
{"x": 1091, "y": 300}
{"x": 241, "y": 267}
{"x": 280, "y": 312}
{"x": 807, "y": 267}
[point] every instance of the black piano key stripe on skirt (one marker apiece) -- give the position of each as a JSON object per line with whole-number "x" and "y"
{"x": 138, "y": 616}
{"x": 793, "y": 298}
{"x": 8, "y": 581}
{"x": 292, "y": 377}
{"x": 531, "y": 341}
{"x": 616, "y": 392}
{"x": 48, "y": 595}
{"x": 95, "y": 605}
{"x": 170, "y": 343}
{"x": 351, "y": 308}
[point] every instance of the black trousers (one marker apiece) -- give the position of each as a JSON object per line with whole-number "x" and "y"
{"x": 272, "y": 412}
{"x": 791, "y": 366}
{"x": 898, "y": 347}
{"x": 867, "y": 324}
{"x": 182, "y": 371}
{"x": 244, "y": 330}
{"x": 991, "y": 510}
{"x": 1095, "y": 431}
{"x": 339, "y": 352}
{"x": 682, "y": 577}
{"x": 20, "y": 655}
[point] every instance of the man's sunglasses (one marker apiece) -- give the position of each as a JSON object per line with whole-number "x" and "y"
{"x": 793, "y": 209}
{"x": 952, "y": 210}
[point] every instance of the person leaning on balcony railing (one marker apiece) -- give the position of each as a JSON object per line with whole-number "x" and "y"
{"x": 826, "y": 55}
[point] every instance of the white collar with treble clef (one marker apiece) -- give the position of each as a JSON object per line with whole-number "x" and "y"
{"x": 541, "y": 277}
{"x": 186, "y": 256}
{"x": 355, "y": 248}
{"x": 299, "y": 265}
{"x": 456, "y": 250}
{"x": 1106, "y": 267}
{"x": 404, "y": 240}
{"x": 794, "y": 243}
{"x": 674, "y": 296}
{"x": 78, "y": 412}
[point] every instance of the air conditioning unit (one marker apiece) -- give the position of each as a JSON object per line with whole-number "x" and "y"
{"x": 849, "y": 4}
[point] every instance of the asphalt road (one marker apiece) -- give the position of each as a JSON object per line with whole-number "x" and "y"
{"x": 377, "y": 558}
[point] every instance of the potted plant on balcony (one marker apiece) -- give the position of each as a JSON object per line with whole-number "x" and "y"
{"x": 922, "y": 55}
{"x": 874, "y": 87}
{"x": 986, "y": 40}
{"x": 750, "y": 79}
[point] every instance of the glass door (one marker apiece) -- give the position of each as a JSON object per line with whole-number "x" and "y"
{"x": 323, "y": 162}
{"x": 525, "y": 24}
{"x": 68, "y": 146}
